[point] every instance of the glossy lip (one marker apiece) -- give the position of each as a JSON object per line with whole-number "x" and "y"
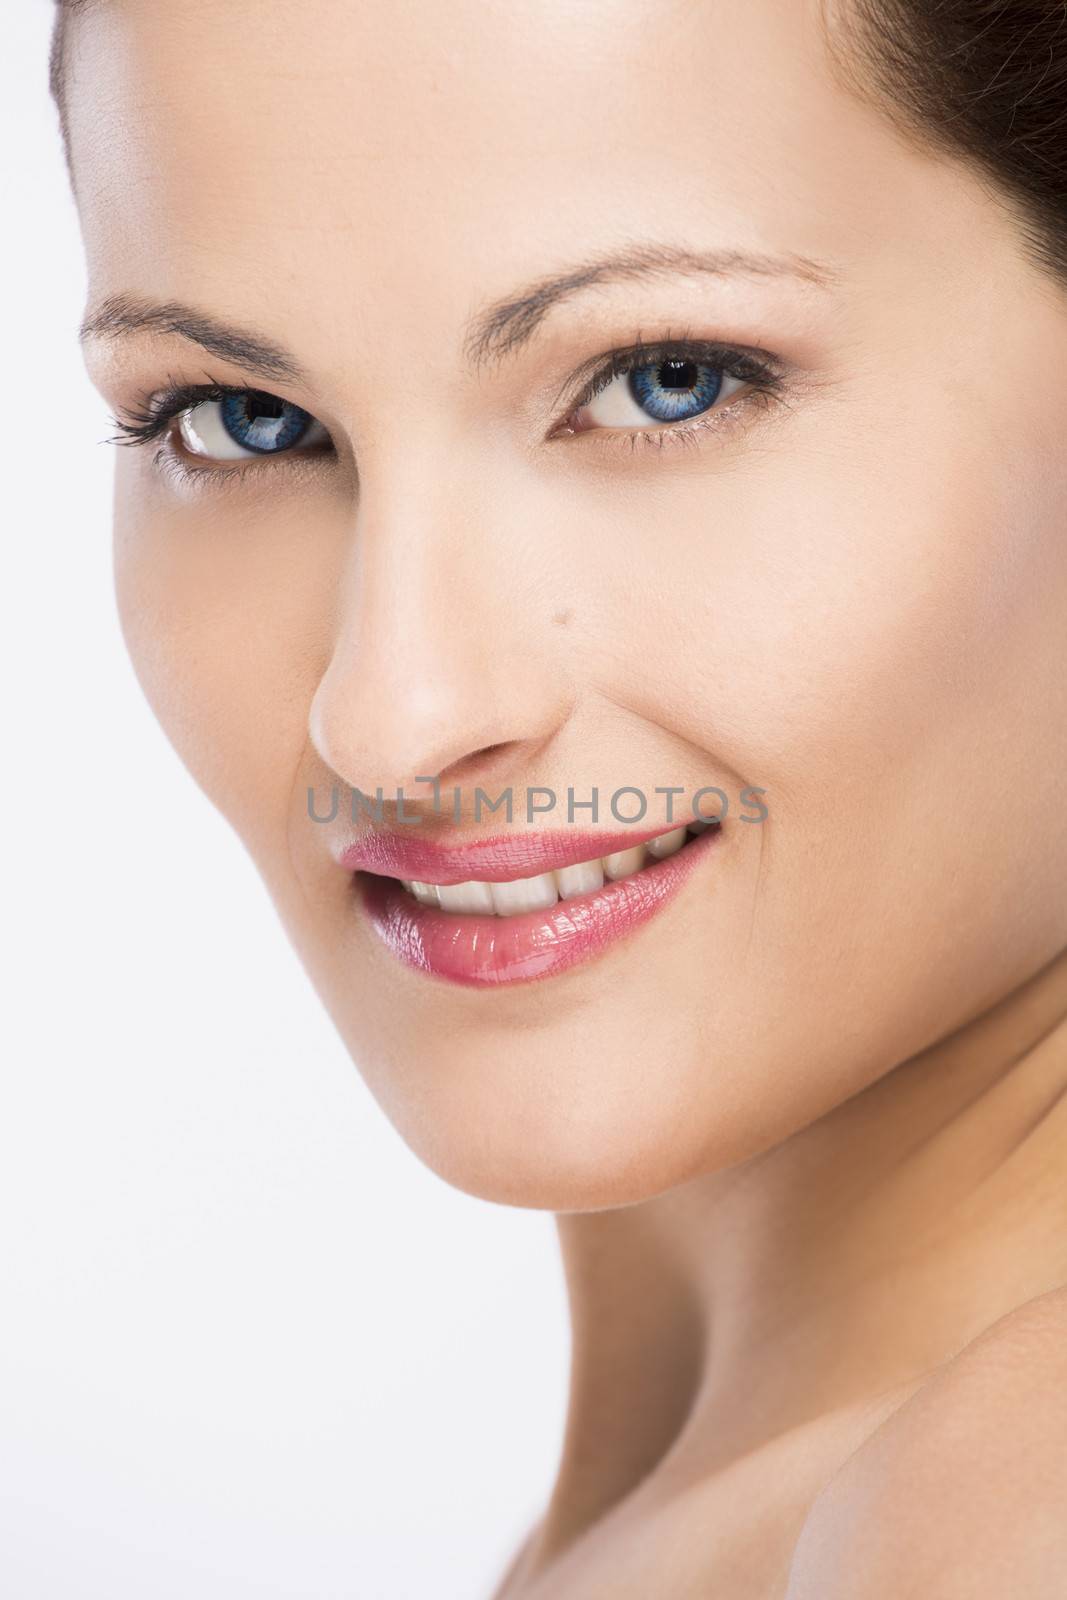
{"x": 499, "y": 859}
{"x": 485, "y": 951}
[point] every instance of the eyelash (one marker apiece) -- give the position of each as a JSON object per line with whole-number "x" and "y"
{"x": 757, "y": 368}
{"x": 149, "y": 422}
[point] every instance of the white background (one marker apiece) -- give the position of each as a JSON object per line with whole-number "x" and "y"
{"x": 249, "y": 1346}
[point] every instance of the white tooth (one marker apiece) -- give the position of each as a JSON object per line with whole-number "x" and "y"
{"x": 624, "y": 863}
{"x": 465, "y": 897}
{"x": 425, "y": 893}
{"x": 524, "y": 894}
{"x": 580, "y": 879}
{"x": 666, "y": 844}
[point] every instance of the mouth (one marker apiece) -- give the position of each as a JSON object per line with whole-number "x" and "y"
{"x": 492, "y": 930}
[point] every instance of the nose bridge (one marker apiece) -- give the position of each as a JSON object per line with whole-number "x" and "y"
{"x": 443, "y": 648}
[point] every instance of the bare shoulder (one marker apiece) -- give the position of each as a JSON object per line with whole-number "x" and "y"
{"x": 962, "y": 1493}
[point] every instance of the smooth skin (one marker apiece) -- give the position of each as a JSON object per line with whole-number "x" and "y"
{"x": 805, "y": 1131}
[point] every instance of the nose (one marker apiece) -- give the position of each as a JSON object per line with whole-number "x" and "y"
{"x": 446, "y": 662}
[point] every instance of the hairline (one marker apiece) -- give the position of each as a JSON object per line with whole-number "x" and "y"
{"x": 859, "y": 69}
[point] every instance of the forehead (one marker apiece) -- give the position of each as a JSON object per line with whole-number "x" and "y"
{"x": 428, "y": 152}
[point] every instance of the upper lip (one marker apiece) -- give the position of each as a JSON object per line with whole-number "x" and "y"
{"x": 498, "y": 859}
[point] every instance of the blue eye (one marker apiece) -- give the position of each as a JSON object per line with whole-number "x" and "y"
{"x": 248, "y": 423}
{"x": 660, "y": 391}
{"x": 263, "y": 423}
{"x": 671, "y": 391}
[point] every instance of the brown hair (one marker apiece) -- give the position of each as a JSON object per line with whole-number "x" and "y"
{"x": 982, "y": 80}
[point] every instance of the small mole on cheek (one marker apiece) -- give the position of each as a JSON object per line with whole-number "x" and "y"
{"x": 562, "y": 618}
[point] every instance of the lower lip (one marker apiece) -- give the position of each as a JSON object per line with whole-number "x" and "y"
{"x": 484, "y": 950}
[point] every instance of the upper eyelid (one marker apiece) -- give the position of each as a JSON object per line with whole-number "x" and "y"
{"x": 589, "y": 370}
{"x": 623, "y": 359}
{"x": 146, "y": 421}
{"x": 158, "y": 410}
{"x": 154, "y": 411}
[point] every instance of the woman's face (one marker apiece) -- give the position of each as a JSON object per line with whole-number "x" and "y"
{"x": 833, "y": 567}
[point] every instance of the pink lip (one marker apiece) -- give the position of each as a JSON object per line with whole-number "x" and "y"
{"x": 499, "y": 859}
{"x": 485, "y": 950}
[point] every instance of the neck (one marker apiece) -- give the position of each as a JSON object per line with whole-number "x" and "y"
{"x": 843, "y": 1263}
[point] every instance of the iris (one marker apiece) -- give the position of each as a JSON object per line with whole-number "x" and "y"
{"x": 262, "y": 422}
{"x": 672, "y": 390}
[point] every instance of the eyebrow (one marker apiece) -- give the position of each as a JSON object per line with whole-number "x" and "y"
{"x": 507, "y": 324}
{"x": 124, "y": 314}
{"x": 499, "y": 330}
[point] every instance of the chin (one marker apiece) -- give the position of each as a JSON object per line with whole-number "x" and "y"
{"x": 554, "y": 1106}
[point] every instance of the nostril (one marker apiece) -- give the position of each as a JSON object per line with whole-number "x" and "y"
{"x": 477, "y": 764}
{"x": 477, "y": 757}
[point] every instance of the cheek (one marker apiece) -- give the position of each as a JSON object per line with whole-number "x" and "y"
{"x": 869, "y": 625}
{"x": 868, "y": 609}
{"x": 225, "y": 613}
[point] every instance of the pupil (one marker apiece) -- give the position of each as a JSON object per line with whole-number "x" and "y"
{"x": 257, "y": 407}
{"x": 678, "y": 374}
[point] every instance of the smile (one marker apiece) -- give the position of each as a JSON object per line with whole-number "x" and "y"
{"x": 546, "y": 889}
{"x": 472, "y": 922}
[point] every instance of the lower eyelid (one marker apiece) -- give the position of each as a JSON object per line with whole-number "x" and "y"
{"x": 219, "y": 445}
{"x": 179, "y": 467}
{"x": 186, "y": 466}
{"x": 731, "y": 382}
{"x": 718, "y": 419}
{"x": 722, "y": 421}
{"x": 186, "y": 469}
